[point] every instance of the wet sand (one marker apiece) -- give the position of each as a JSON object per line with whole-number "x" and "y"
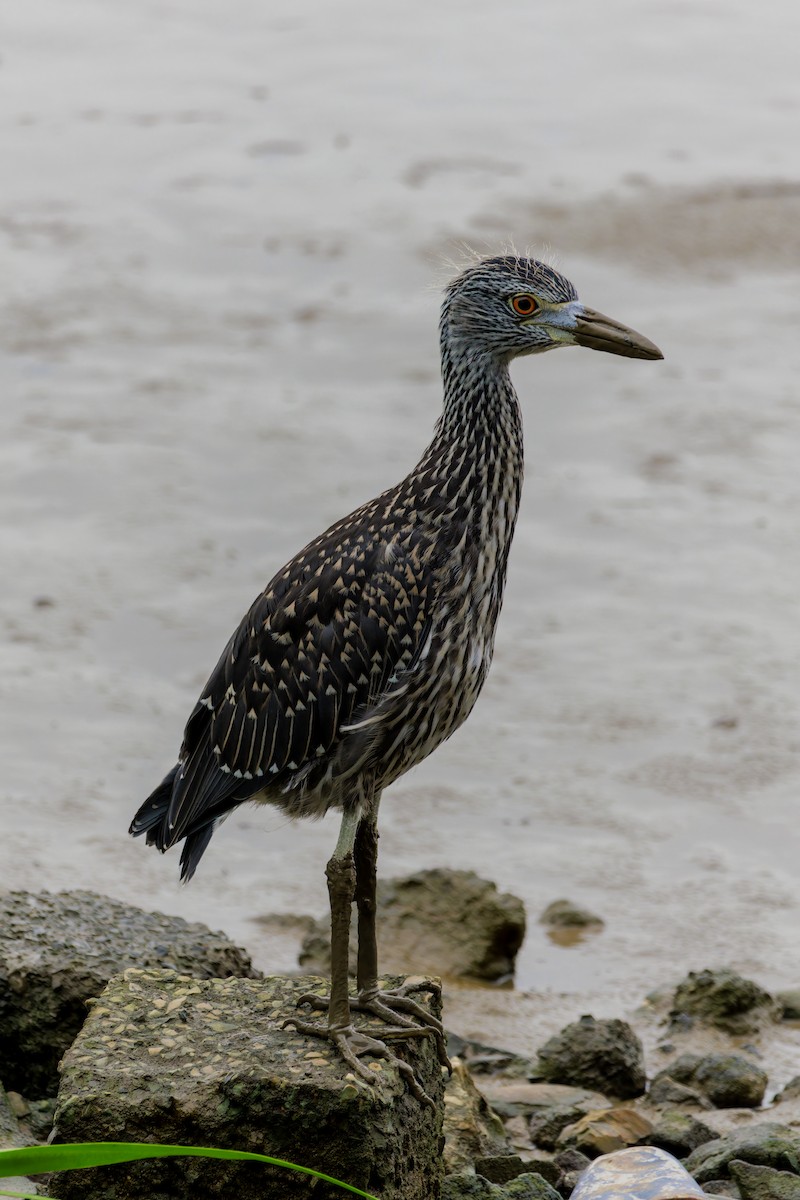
{"x": 221, "y": 237}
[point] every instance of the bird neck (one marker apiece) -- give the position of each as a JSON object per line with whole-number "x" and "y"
{"x": 472, "y": 469}
{"x": 481, "y": 408}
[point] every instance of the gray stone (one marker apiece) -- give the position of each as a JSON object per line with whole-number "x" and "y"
{"x": 546, "y": 1125}
{"x": 483, "y": 1060}
{"x": 572, "y": 1164}
{"x": 500, "y": 1168}
{"x": 59, "y": 950}
{"x": 720, "y": 1080}
{"x": 528, "y": 1187}
{"x": 604, "y": 1055}
{"x": 467, "y": 1186}
{"x": 723, "y": 999}
{"x": 767, "y": 1145}
{"x": 679, "y": 1133}
{"x": 475, "y": 1187}
{"x": 764, "y": 1183}
{"x": 515, "y": 1097}
{"x": 666, "y": 1090}
{"x": 207, "y": 1062}
{"x": 731, "y": 1081}
{"x": 546, "y": 1166}
{"x": 683, "y": 1068}
{"x": 35, "y": 1116}
{"x": 443, "y": 922}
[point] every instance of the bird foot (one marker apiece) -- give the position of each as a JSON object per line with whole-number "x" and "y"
{"x": 351, "y": 1043}
{"x": 394, "y": 1004}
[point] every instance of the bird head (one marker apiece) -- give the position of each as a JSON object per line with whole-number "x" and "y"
{"x": 509, "y": 306}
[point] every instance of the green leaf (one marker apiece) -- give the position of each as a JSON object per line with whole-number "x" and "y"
{"x": 36, "y": 1160}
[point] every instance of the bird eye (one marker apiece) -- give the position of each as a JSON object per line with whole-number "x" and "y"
{"x": 524, "y": 305}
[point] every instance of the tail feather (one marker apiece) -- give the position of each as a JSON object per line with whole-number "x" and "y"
{"x": 194, "y": 848}
{"x": 150, "y": 818}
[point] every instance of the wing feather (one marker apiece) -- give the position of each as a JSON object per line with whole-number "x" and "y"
{"x": 328, "y": 638}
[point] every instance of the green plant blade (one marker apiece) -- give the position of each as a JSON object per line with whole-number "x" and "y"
{"x": 36, "y": 1160}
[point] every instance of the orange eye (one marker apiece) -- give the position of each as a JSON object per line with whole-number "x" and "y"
{"x": 524, "y": 305}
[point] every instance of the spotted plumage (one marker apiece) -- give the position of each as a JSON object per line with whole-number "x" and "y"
{"x": 371, "y": 646}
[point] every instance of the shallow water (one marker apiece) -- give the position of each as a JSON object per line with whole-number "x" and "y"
{"x": 221, "y": 234}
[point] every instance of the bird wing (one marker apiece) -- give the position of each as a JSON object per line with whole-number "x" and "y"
{"x": 332, "y": 634}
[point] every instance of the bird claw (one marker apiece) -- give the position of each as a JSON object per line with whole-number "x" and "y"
{"x": 394, "y": 1005}
{"x": 396, "y": 1008}
{"x": 351, "y": 1043}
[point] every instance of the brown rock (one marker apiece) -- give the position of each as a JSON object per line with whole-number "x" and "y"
{"x": 471, "y": 1128}
{"x": 606, "y": 1131}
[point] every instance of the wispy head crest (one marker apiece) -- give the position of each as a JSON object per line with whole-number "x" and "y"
{"x": 464, "y": 255}
{"x": 540, "y": 277}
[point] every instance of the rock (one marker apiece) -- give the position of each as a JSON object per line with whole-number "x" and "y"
{"x": 767, "y": 1145}
{"x": 679, "y": 1133}
{"x": 11, "y": 1137}
{"x": 467, "y": 1186}
{"x": 644, "y": 1173}
{"x": 475, "y": 1187}
{"x": 471, "y": 1128}
{"x": 518, "y": 1136}
{"x": 789, "y": 1000}
{"x": 723, "y": 999}
{"x": 639, "y": 1173}
{"x": 450, "y": 923}
{"x": 528, "y": 1187}
{"x": 682, "y": 1069}
{"x": 606, "y": 1131}
{"x": 546, "y": 1166}
{"x": 731, "y": 1081}
{"x": 571, "y": 1164}
{"x": 207, "y": 1062}
{"x": 568, "y": 924}
{"x": 546, "y": 1124}
{"x": 721, "y": 1080}
{"x": 500, "y": 1168}
{"x": 35, "y": 1116}
{"x": 604, "y": 1055}
{"x": 563, "y": 914}
{"x": 58, "y": 950}
{"x": 791, "y": 1091}
{"x": 666, "y": 1090}
{"x": 512, "y": 1097}
{"x": 764, "y": 1183}
{"x": 482, "y": 1059}
{"x": 722, "y": 1187}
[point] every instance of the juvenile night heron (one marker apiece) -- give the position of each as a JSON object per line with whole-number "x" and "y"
{"x": 371, "y": 646}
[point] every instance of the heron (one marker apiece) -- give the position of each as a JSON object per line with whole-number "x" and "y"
{"x": 370, "y": 647}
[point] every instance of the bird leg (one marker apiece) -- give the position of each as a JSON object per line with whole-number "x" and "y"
{"x": 352, "y": 1043}
{"x": 391, "y": 1004}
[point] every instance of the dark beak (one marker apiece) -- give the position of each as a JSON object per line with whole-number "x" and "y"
{"x": 597, "y": 332}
